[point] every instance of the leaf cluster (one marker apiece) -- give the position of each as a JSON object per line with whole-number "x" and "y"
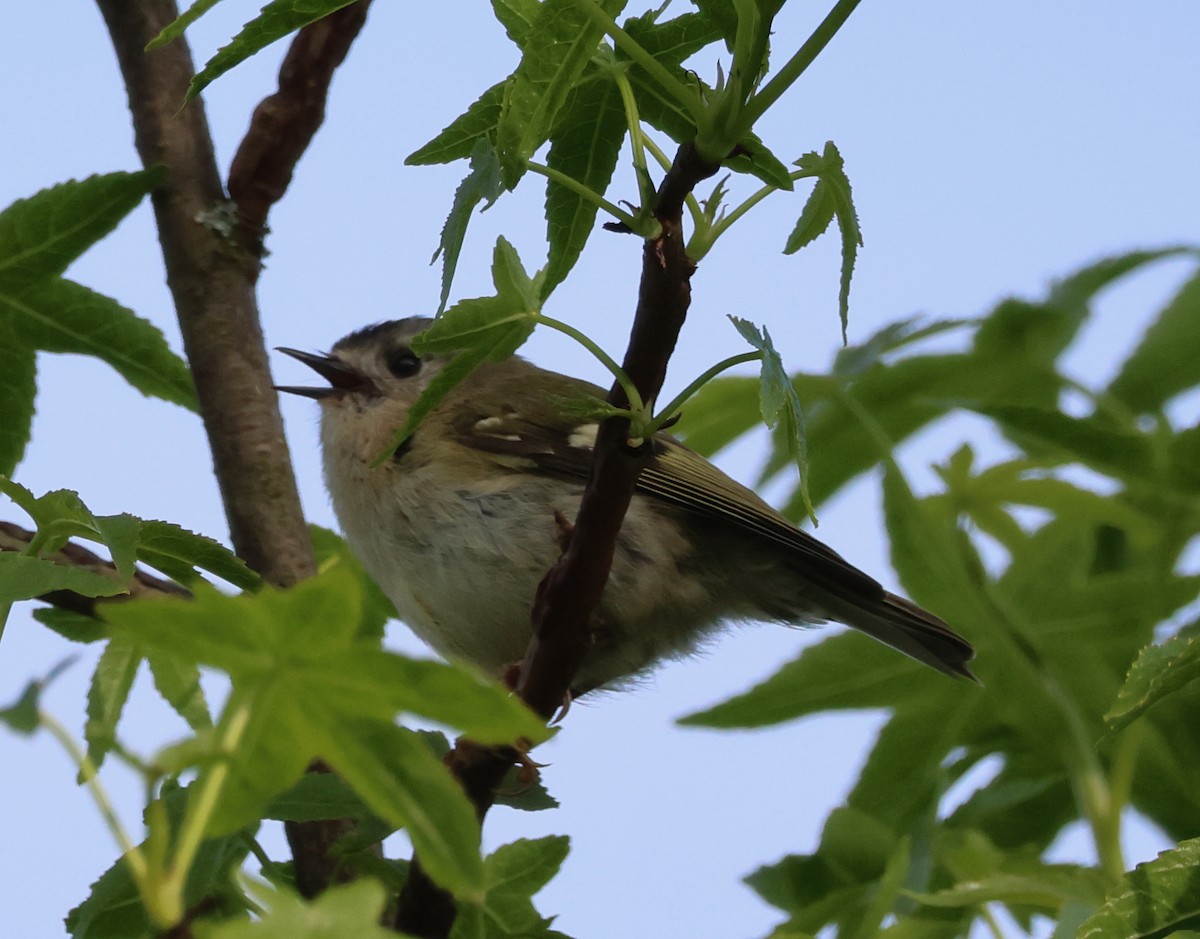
{"x": 1086, "y": 650}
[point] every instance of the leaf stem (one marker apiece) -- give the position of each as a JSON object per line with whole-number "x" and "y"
{"x": 636, "y": 142}
{"x": 132, "y": 855}
{"x": 584, "y": 192}
{"x": 209, "y": 787}
{"x": 798, "y": 63}
{"x": 631, "y": 48}
{"x": 666, "y": 413}
{"x": 635, "y": 399}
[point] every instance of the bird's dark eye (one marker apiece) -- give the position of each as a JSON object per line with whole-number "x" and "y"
{"x": 403, "y": 362}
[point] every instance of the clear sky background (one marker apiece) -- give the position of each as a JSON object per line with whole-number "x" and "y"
{"x": 991, "y": 146}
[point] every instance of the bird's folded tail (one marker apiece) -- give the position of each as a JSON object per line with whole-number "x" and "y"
{"x": 903, "y": 625}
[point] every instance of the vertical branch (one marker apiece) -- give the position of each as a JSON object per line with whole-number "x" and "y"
{"x": 212, "y": 247}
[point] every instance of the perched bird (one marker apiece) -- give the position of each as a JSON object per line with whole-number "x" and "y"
{"x": 461, "y": 524}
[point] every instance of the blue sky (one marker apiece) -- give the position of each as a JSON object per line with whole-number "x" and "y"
{"x": 992, "y": 147}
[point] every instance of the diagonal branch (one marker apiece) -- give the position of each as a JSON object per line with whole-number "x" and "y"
{"x": 571, "y": 591}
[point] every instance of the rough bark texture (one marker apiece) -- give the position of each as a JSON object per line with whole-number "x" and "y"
{"x": 212, "y": 246}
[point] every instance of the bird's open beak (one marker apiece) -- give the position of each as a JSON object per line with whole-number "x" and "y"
{"x": 341, "y": 377}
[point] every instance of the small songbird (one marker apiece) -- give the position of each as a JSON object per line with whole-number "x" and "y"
{"x": 461, "y": 524}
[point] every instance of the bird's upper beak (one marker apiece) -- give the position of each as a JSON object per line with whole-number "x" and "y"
{"x": 342, "y": 378}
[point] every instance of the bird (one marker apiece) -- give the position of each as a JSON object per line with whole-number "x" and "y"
{"x": 461, "y": 523}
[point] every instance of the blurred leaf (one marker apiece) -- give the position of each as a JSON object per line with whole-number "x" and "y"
{"x": 277, "y": 19}
{"x": 584, "y": 145}
{"x": 316, "y": 796}
{"x": 22, "y": 716}
{"x": 558, "y": 46}
{"x": 113, "y": 907}
{"x": 1161, "y": 670}
{"x": 1157, "y": 898}
{"x": 74, "y": 627}
{"x": 377, "y": 608}
{"x": 719, "y": 413}
{"x": 1162, "y": 366}
{"x": 345, "y": 910}
{"x": 847, "y": 671}
{"x": 1088, "y": 440}
{"x": 482, "y": 184}
{"x": 513, "y": 874}
{"x": 179, "y": 684}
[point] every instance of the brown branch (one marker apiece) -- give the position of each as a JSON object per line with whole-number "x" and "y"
{"x": 211, "y": 272}
{"x": 15, "y": 538}
{"x": 284, "y": 123}
{"x": 571, "y": 590}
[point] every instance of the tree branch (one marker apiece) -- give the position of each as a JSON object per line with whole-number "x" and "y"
{"x": 212, "y": 248}
{"x": 571, "y": 590}
{"x": 284, "y": 123}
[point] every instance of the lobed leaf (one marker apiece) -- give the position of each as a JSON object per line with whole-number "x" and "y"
{"x": 482, "y": 184}
{"x": 18, "y": 386}
{"x": 558, "y": 46}
{"x": 584, "y": 145}
{"x": 1164, "y": 362}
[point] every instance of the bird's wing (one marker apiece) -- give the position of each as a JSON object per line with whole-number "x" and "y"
{"x": 675, "y": 474}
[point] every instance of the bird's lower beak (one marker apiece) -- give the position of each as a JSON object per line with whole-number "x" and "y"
{"x": 341, "y": 377}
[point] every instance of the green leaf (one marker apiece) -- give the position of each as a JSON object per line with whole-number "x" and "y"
{"x": 718, "y": 413}
{"x": 584, "y": 145}
{"x": 847, "y": 671}
{"x": 752, "y": 156}
{"x": 23, "y": 716}
{"x": 341, "y": 911}
{"x": 1157, "y": 898}
{"x": 377, "y": 608}
{"x": 562, "y": 40}
{"x": 517, "y": 17}
{"x": 107, "y": 694}
{"x": 74, "y": 627}
{"x": 1161, "y": 366}
{"x": 1160, "y": 671}
{"x": 179, "y": 684}
{"x": 18, "y": 385}
{"x": 513, "y": 874}
{"x": 314, "y": 797}
{"x": 59, "y": 315}
{"x": 166, "y": 546}
{"x": 396, "y": 774}
{"x": 305, "y": 638}
{"x": 466, "y": 133}
{"x": 23, "y": 578}
{"x": 779, "y": 403}
{"x": 1089, "y": 440}
{"x": 40, "y": 236}
{"x": 276, "y": 20}
{"x": 482, "y": 184}
{"x": 830, "y": 198}
{"x": 179, "y": 25}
